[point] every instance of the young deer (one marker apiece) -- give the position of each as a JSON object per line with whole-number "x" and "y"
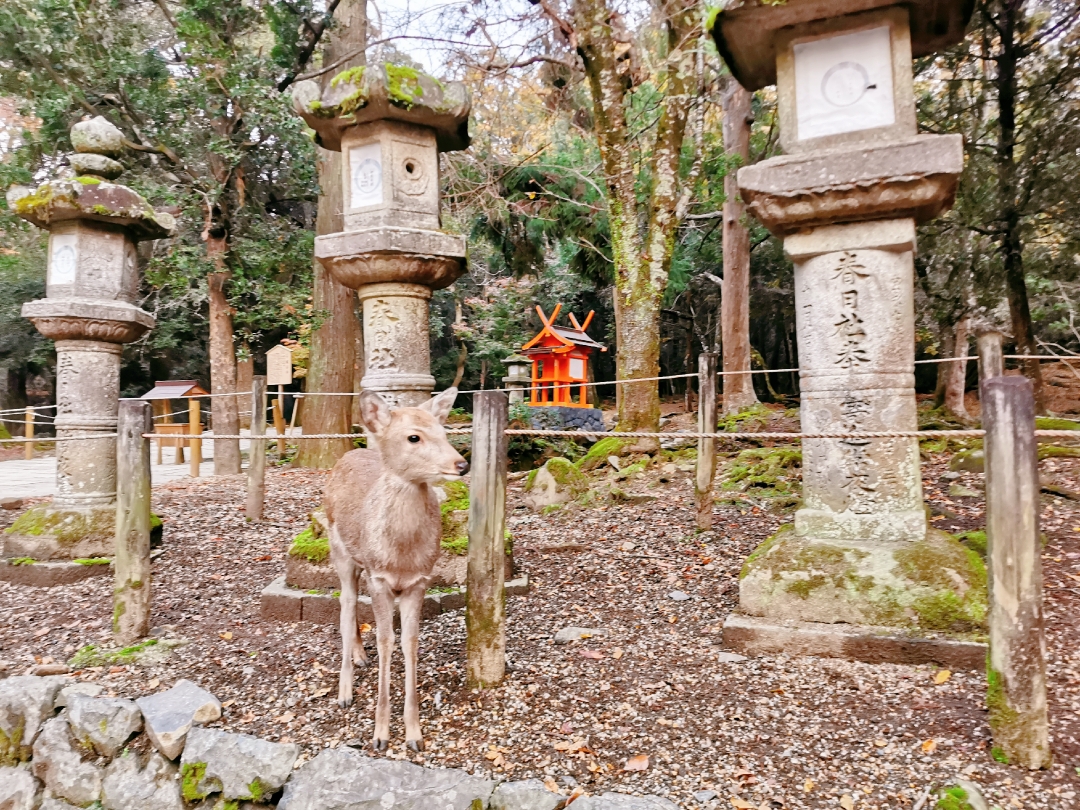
{"x": 384, "y": 521}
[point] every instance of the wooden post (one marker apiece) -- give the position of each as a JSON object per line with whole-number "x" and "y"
{"x": 991, "y": 356}
{"x": 29, "y": 452}
{"x": 1016, "y": 667}
{"x": 485, "y": 597}
{"x": 131, "y": 595}
{"x": 256, "y": 482}
{"x": 706, "y": 452}
{"x": 195, "y": 429}
{"x": 279, "y": 421}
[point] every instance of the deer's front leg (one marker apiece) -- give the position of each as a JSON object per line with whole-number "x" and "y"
{"x": 412, "y": 603}
{"x": 351, "y": 644}
{"x": 382, "y": 604}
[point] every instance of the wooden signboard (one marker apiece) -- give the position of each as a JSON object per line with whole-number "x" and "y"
{"x": 279, "y": 369}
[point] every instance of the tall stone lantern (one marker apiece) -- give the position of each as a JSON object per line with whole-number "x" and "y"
{"x": 855, "y": 180}
{"x": 390, "y": 122}
{"x": 90, "y": 309}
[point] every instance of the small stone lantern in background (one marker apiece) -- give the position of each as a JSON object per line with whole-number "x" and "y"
{"x": 846, "y": 198}
{"x": 90, "y": 309}
{"x": 518, "y": 377}
{"x": 390, "y": 122}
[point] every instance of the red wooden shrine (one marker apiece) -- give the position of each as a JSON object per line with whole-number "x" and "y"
{"x": 560, "y": 361}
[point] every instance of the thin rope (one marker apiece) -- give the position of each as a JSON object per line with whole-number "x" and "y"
{"x": 51, "y": 439}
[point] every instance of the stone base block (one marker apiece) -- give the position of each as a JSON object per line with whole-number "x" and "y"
{"x": 560, "y": 417}
{"x": 750, "y": 635}
{"x": 280, "y": 603}
{"x": 931, "y": 585}
{"x": 48, "y": 574}
{"x": 48, "y": 533}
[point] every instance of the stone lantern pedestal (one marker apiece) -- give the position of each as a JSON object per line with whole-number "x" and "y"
{"x": 390, "y": 123}
{"x": 90, "y": 311}
{"x": 846, "y": 198}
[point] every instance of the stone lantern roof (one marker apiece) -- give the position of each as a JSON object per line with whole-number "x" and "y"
{"x": 746, "y": 30}
{"x": 88, "y": 195}
{"x": 385, "y": 92}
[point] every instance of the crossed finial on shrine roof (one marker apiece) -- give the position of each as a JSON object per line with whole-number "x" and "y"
{"x": 564, "y": 335}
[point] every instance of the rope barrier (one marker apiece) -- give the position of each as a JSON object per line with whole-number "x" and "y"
{"x": 51, "y": 439}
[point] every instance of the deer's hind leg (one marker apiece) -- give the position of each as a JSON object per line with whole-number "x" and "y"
{"x": 352, "y": 648}
{"x": 412, "y": 603}
{"x": 382, "y": 604}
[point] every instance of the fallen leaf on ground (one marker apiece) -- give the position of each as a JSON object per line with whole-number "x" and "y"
{"x": 929, "y": 746}
{"x": 596, "y": 655}
{"x": 550, "y": 784}
{"x": 285, "y": 718}
{"x": 365, "y": 628}
{"x": 153, "y": 683}
{"x": 227, "y": 635}
{"x": 942, "y": 676}
{"x": 41, "y": 632}
{"x": 321, "y": 692}
{"x": 742, "y": 804}
{"x": 847, "y": 802}
{"x": 226, "y": 703}
{"x": 617, "y": 653}
{"x": 808, "y": 785}
{"x": 637, "y": 763}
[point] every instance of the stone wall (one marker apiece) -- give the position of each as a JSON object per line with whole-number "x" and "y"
{"x": 63, "y": 746}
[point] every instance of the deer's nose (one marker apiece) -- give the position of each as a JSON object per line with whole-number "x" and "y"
{"x": 462, "y": 467}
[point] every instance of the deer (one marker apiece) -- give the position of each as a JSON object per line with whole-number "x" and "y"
{"x": 382, "y": 510}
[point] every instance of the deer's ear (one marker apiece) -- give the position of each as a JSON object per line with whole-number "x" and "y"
{"x": 440, "y": 406}
{"x": 374, "y": 412}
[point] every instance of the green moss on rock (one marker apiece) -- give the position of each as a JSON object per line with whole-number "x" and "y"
{"x": 311, "y": 547}
{"x": 12, "y": 750}
{"x": 756, "y": 413}
{"x": 764, "y": 468}
{"x": 403, "y": 85}
{"x": 87, "y": 180}
{"x": 1055, "y": 423}
{"x": 191, "y": 775}
{"x": 953, "y": 797}
{"x": 597, "y": 455}
{"x": 68, "y": 527}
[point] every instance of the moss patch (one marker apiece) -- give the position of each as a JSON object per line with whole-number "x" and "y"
{"x": 455, "y": 518}
{"x": 1057, "y": 451}
{"x": 93, "y": 656}
{"x": 191, "y": 775}
{"x": 92, "y": 560}
{"x": 312, "y": 548}
{"x": 257, "y": 790}
{"x": 403, "y": 85}
{"x": 352, "y": 75}
{"x": 87, "y": 181}
{"x": 757, "y": 414}
{"x": 22, "y": 561}
{"x": 597, "y": 455}
{"x": 1052, "y": 423}
{"x": 12, "y": 750}
{"x": 68, "y": 527}
{"x": 953, "y": 798}
{"x": 765, "y": 469}
{"x": 974, "y": 540}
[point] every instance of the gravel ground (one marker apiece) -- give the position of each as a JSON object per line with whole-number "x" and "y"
{"x": 762, "y": 733}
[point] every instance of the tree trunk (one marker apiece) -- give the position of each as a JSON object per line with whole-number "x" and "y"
{"x": 1008, "y": 24}
{"x": 735, "y": 299}
{"x": 223, "y": 409}
{"x": 331, "y": 368}
{"x": 956, "y": 372}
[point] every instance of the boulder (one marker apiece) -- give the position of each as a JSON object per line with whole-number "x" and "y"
{"x": 17, "y": 789}
{"x": 59, "y": 765}
{"x": 620, "y": 801}
{"x": 155, "y": 786}
{"x": 81, "y": 688}
{"x": 345, "y": 779}
{"x": 528, "y": 795}
{"x": 169, "y": 715}
{"x": 237, "y": 766}
{"x": 972, "y": 461}
{"x": 557, "y": 482}
{"x": 26, "y": 702}
{"x": 103, "y": 724}
{"x": 97, "y": 136}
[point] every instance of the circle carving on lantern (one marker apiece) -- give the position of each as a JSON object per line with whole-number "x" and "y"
{"x": 845, "y": 83}
{"x": 412, "y": 176}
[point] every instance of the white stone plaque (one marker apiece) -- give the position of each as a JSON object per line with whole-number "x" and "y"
{"x": 279, "y": 369}
{"x": 844, "y": 83}
{"x": 577, "y": 368}
{"x": 366, "y": 175}
{"x": 63, "y": 258}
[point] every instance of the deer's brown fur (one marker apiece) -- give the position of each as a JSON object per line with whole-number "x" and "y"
{"x": 383, "y": 513}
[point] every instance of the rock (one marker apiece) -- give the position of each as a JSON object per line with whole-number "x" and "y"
{"x": 730, "y": 658}
{"x": 528, "y": 795}
{"x": 237, "y": 766}
{"x": 966, "y": 795}
{"x": 568, "y": 634}
{"x": 960, "y": 491}
{"x": 60, "y": 767}
{"x": 169, "y": 715}
{"x": 81, "y": 688}
{"x": 973, "y": 461}
{"x": 97, "y": 136}
{"x": 155, "y": 786}
{"x": 17, "y": 789}
{"x": 614, "y": 462}
{"x": 50, "y": 803}
{"x": 103, "y": 724}
{"x": 97, "y": 165}
{"x": 26, "y": 702}
{"x": 620, "y": 801}
{"x": 951, "y": 475}
{"x": 678, "y": 596}
{"x": 703, "y": 796}
{"x": 557, "y": 482}
{"x": 344, "y": 779}
{"x": 11, "y": 503}
{"x": 44, "y": 670}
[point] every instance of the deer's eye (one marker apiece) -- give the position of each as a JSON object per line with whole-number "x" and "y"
{"x": 414, "y": 438}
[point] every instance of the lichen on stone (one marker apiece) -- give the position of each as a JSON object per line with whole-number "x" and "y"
{"x": 402, "y": 85}
{"x": 67, "y": 526}
{"x": 191, "y": 775}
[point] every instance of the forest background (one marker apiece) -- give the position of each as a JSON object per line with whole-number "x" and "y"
{"x": 587, "y": 149}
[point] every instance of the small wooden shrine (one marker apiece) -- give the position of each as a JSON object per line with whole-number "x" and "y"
{"x": 560, "y": 361}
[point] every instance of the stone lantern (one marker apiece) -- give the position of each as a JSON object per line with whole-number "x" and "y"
{"x": 90, "y": 309}
{"x": 518, "y": 377}
{"x": 846, "y": 198}
{"x": 390, "y": 122}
